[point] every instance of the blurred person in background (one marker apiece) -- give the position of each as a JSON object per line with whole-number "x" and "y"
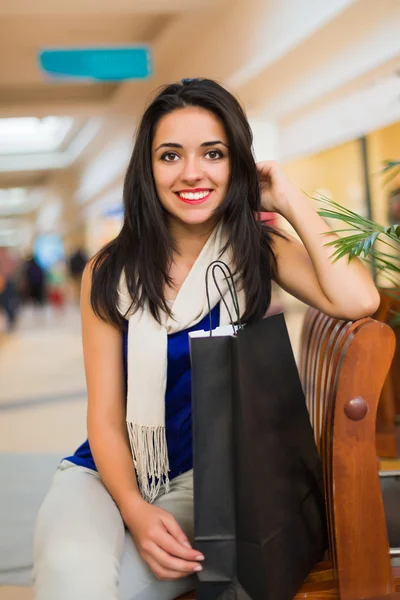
{"x": 56, "y": 281}
{"x": 34, "y": 282}
{"x": 77, "y": 264}
{"x": 9, "y": 300}
{"x": 118, "y": 519}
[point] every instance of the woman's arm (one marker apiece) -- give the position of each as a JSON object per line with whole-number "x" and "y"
{"x": 107, "y": 432}
{"x": 306, "y": 270}
{"x": 159, "y": 538}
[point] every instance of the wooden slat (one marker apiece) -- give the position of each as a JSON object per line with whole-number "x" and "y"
{"x": 318, "y": 591}
{"x": 323, "y": 571}
{"x": 389, "y": 464}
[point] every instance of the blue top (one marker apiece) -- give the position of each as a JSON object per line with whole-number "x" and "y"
{"x": 178, "y": 403}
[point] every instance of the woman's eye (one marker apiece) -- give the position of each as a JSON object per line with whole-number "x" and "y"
{"x": 214, "y": 154}
{"x": 169, "y": 156}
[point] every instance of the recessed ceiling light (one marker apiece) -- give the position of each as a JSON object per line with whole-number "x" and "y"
{"x": 27, "y": 135}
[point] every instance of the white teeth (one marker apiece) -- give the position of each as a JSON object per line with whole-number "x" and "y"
{"x": 193, "y": 196}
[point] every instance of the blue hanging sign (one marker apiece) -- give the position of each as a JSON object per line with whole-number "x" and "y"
{"x": 100, "y": 64}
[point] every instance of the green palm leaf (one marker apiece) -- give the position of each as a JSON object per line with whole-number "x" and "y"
{"x": 392, "y": 167}
{"x": 361, "y": 239}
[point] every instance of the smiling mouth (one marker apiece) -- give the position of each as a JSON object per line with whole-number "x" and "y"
{"x": 194, "y": 197}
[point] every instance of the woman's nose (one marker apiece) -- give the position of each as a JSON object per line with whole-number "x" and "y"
{"x": 192, "y": 171}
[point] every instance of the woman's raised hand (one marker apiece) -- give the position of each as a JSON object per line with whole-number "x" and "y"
{"x": 275, "y": 187}
{"x": 162, "y": 543}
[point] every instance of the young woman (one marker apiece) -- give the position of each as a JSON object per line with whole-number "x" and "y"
{"x": 118, "y": 519}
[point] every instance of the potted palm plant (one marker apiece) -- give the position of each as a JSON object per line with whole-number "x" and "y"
{"x": 360, "y": 238}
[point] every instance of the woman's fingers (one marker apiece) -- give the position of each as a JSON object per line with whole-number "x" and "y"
{"x": 164, "y": 540}
{"x": 163, "y": 544}
{"x": 171, "y": 563}
{"x": 169, "y": 558}
{"x": 174, "y": 529}
{"x": 161, "y": 573}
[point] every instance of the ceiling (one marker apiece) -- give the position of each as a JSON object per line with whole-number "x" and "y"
{"x": 320, "y": 72}
{"x": 25, "y": 90}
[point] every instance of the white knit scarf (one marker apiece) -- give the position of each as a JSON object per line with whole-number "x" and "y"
{"x": 147, "y": 362}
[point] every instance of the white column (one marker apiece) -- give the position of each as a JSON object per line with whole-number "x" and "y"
{"x": 266, "y": 138}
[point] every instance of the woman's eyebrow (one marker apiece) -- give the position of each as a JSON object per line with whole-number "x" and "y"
{"x": 176, "y": 145}
{"x": 214, "y": 143}
{"x": 169, "y": 145}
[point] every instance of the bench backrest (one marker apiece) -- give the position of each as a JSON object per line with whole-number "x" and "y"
{"x": 343, "y": 366}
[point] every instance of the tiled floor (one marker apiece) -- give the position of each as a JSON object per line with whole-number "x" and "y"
{"x": 42, "y": 393}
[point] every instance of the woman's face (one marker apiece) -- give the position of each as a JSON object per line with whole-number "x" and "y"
{"x": 191, "y": 165}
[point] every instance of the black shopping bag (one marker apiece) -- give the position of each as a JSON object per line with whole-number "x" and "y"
{"x": 258, "y": 488}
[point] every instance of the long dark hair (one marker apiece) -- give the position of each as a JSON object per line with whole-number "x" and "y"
{"x": 144, "y": 247}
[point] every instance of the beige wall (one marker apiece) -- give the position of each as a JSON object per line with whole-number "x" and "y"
{"x": 383, "y": 144}
{"x": 336, "y": 173}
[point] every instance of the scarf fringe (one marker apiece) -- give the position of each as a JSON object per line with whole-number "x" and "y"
{"x": 150, "y": 457}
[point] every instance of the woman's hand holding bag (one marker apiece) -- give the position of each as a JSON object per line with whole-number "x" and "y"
{"x": 162, "y": 543}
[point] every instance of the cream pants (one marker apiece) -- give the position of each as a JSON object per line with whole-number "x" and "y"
{"x": 82, "y": 551}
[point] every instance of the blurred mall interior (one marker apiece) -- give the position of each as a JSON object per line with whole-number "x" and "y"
{"x": 320, "y": 82}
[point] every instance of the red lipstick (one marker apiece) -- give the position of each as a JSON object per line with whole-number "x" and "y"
{"x": 194, "y": 191}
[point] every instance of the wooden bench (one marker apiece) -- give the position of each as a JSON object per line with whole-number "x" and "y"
{"x": 343, "y": 366}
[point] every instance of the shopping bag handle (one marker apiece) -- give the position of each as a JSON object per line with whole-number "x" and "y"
{"x": 226, "y": 271}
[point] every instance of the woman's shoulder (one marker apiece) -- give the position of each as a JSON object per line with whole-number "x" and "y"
{"x": 87, "y": 274}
